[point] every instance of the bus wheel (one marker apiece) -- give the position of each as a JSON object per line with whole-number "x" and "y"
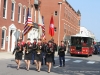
{"x": 87, "y": 55}
{"x": 91, "y": 55}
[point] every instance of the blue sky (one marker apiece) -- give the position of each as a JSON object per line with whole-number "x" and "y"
{"x": 90, "y": 14}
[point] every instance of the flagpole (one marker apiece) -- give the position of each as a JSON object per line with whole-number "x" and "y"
{"x": 29, "y": 3}
{"x": 38, "y": 23}
{"x": 51, "y": 38}
{"x": 0, "y": 8}
{"x": 28, "y": 7}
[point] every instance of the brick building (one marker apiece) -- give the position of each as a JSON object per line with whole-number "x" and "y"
{"x": 12, "y": 20}
{"x": 13, "y": 14}
{"x": 69, "y": 18}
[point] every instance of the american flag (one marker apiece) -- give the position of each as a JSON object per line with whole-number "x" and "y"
{"x": 43, "y": 29}
{"x": 28, "y": 23}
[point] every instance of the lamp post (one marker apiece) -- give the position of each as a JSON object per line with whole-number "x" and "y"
{"x": 59, "y": 22}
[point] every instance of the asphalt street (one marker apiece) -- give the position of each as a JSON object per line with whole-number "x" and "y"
{"x": 75, "y": 65}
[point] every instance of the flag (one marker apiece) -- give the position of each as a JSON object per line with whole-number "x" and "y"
{"x": 28, "y": 23}
{"x": 51, "y": 27}
{"x": 43, "y": 29}
{"x": 40, "y": 24}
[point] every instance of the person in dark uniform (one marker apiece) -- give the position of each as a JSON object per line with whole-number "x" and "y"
{"x": 44, "y": 53}
{"x": 54, "y": 49}
{"x": 34, "y": 49}
{"x": 61, "y": 53}
{"x": 22, "y": 42}
{"x": 18, "y": 53}
{"x": 49, "y": 50}
{"x": 28, "y": 53}
{"x": 38, "y": 55}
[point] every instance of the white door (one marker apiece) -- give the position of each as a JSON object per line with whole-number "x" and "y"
{"x": 13, "y": 41}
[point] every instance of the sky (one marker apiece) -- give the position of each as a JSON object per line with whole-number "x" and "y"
{"x": 90, "y": 14}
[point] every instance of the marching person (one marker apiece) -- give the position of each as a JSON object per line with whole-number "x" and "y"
{"x": 34, "y": 49}
{"x": 61, "y": 53}
{"x": 38, "y": 55}
{"x": 28, "y": 53}
{"x": 54, "y": 49}
{"x": 43, "y": 53}
{"x": 19, "y": 52}
{"x": 22, "y": 42}
{"x": 49, "y": 50}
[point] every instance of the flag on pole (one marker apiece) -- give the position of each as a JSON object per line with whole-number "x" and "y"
{"x": 51, "y": 27}
{"x": 40, "y": 24}
{"x": 28, "y": 23}
{"x": 43, "y": 29}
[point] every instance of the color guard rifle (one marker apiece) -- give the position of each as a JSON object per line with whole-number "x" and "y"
{"x": 28, "y": 49}
{"x": 39, "y": 47}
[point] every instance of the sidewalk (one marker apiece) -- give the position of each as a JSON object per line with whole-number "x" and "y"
{"x": 6, "y": 55}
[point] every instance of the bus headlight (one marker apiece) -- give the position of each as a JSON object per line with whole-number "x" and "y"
{"x": 86, "y": 50}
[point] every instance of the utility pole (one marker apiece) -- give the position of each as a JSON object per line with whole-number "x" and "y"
{"x": 59, "y": 23}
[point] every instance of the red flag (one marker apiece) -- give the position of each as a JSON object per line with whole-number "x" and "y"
{"x": 51, "y": 27}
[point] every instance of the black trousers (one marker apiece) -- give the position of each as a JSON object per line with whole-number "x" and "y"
{"x": 43, "y": 58}
{"x": 53, "y": 54}
{"x": 62, "y": 58}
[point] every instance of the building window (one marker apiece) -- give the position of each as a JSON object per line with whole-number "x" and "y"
{"x": 3, "y": 38}
{"x": 56, "y": 13}
{"x": 65, "y": 28}
{"x": 79, "y": 22}
{"x": 19, "y": 14}
{"x": 68, "y": 15}
{"x": 24, "y": 15}
{"x": 12, "y": 11}
{"x": 5, "y": 9}
{"x": 55, "y": 29}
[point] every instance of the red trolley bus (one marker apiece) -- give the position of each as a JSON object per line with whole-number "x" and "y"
{"x": 81, "y": 45}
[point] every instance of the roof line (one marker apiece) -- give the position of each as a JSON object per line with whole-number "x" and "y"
{"x": 71, "y": 7}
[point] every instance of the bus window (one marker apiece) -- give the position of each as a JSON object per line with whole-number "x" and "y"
{"x": 84, "y": 41}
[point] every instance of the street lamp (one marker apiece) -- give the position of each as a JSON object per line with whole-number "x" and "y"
{"x": 59, "y": 22}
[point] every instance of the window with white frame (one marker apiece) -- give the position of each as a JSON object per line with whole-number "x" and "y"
{"x": 3, "y": 38}
{"x": 69, "y": 15}
{"x": 12, "y": 11}
{"x": 24, "y": 15}
{"x": 19, "y": 13}
{"x": 55, "y": 13}
{"x": 79, "y": 22}
{"x": 65, "y": 27}
{"x": 5, "y": 9}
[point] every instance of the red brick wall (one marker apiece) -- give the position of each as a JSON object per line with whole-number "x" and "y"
{"x": 7, "y": 22}
{"x": 48, "y": 7}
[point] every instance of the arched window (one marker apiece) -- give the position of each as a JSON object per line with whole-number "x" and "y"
{"x": 24, "y": 14}
{"x": 3, "y": 38}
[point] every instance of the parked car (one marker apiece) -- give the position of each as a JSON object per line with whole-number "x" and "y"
{"x": 96, "y": 49}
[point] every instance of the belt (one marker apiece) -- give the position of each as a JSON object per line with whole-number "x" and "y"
{"x": 48, "y": 53}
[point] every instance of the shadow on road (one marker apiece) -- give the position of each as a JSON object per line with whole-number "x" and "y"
{"x": 70, "y": 69}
